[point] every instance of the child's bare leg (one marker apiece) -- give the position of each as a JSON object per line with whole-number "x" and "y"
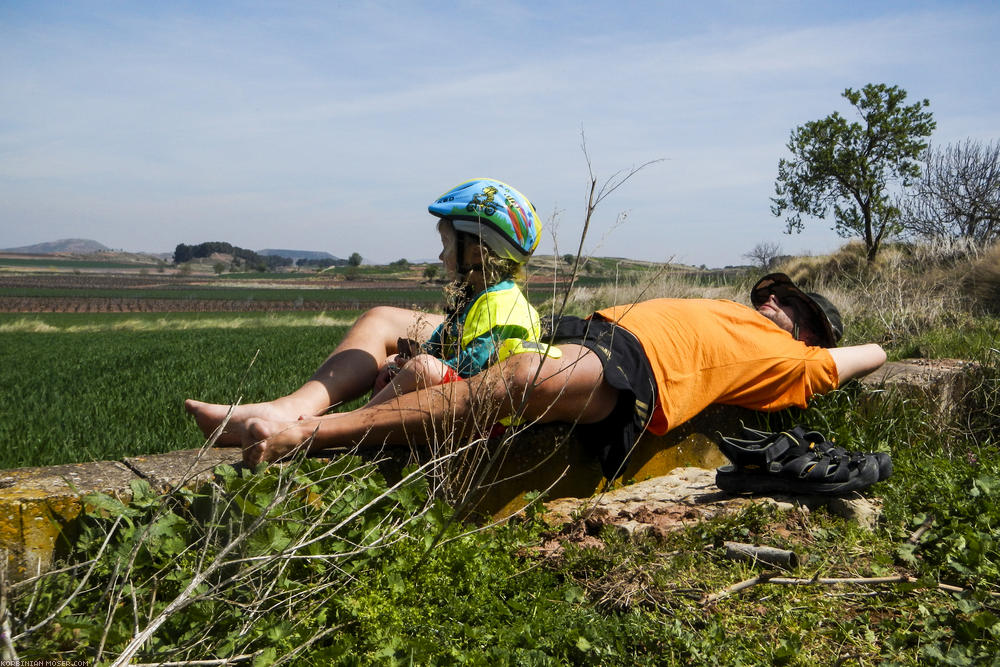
{"x": 347, "y": 373}
{"x": 419, "y": 372}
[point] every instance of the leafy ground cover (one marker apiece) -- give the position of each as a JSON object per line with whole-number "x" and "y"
{"x": 317, "y": 565}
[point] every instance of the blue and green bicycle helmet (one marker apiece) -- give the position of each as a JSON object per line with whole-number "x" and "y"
{"x": 495, "y": 213}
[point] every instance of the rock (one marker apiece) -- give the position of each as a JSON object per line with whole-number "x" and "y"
{"x": 941, "y": 384}
{"x": 688, "y": 495}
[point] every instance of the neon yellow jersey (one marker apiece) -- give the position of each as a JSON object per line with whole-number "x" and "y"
{"x": 468, "y": 342}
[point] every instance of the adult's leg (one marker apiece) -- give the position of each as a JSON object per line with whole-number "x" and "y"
{"x": 542, "y": 389}
{"x": 347, "y": 373}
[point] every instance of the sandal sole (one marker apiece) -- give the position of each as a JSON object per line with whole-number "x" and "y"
{"x": 730, "y": 480}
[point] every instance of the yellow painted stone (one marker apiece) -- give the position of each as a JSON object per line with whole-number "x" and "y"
{"x": 37, "y": 506}
{"x": 549, "y": 459}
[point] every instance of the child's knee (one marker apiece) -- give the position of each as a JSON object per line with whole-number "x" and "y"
{"x": 426, "y": 368}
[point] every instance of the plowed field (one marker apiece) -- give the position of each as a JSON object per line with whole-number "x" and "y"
{"x": 108, "y": 293}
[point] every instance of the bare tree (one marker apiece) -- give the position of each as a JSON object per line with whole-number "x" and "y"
{"x": 764, "y": 254}
{"x": 958, "y": 194}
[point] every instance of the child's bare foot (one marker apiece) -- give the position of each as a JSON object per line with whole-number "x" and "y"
{"x": 265, "y": 440}
{"x": 209, "y": 416}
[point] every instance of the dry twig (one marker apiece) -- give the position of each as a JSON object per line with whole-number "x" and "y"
{"x": 918, "y": 533}
{"x": 769, "y": 578}
{"x": 201, "y": 663}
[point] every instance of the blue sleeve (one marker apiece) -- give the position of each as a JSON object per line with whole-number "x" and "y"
{"x": 481, "y": 352}
{"x": 433, "y": 346}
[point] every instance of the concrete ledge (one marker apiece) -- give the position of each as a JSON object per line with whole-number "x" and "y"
{"x": 38, "y": 504}
{"x": 188, "y": 467}
{"x": 942, "y": 384}
{"x": 548, "y": 458}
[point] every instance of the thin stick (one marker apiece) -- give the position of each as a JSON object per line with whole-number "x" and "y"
{"x": 9, "y": 654}
{"x": 899, "y": 579}
{"x": 862, "y": 581}
{"x": 918, "y": 533}
{"x": 761, "y": 578}
{"x": 48, "y": 573}
{"x": 769, "y": 578}
{"x": 200, "y": 663}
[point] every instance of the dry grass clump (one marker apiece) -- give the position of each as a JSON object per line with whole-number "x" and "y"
{"x": 849, "y": 260}
{"x": 657, "y": 285}
{"x": 945, "y": 251}
{"x": 910, "y": 288}
{"x": 930, "y": 263}
{"x": 983, "y": 281}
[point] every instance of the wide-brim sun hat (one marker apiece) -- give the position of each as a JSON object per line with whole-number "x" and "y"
{"x": 825, "y": 314}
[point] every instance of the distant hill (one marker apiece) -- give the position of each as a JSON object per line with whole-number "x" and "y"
{"x": 298, "y": 254}
{"x": 75, "y": 246}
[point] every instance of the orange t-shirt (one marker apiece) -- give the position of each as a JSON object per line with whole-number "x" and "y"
{"x": 705, "y": 351}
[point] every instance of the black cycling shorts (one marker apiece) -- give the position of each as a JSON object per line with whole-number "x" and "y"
{"x": 626, "y": 368}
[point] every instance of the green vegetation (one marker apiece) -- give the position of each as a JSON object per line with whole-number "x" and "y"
{"x": 322, "y": 565}
{"x": 326, "y": 565}
{"x": 185, "y": 253}
{"x": 332, "y": 564}
{"x": 112, "y": 389}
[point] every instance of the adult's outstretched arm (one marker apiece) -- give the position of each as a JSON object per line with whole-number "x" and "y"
{"x": 857, "y": 360}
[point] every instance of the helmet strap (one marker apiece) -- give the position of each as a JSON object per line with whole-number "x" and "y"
{"x": 461, "y": 243}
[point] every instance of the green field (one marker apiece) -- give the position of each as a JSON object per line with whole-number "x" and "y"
{"x": 189, "y": 293}
{"x": 92, "y": 387}
{"x": 55, "y": 263}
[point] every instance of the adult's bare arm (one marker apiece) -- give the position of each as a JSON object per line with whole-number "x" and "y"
{"x": 857, "y": 360}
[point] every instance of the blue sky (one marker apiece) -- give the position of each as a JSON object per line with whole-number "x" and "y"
{"x": 332, "y": 125}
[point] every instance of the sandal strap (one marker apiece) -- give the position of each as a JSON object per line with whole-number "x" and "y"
{"x": 816, "y": 467}
{"x": 752, "y": 454}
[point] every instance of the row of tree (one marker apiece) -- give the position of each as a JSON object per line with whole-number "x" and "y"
{"x": 880, "y": 177}
{"x": 252, "y": 260}
{"x": 247, "y": 258}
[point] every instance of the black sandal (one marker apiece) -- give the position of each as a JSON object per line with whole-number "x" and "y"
{"x": 781, "y": 464}
{"x": 816, "y": 439}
